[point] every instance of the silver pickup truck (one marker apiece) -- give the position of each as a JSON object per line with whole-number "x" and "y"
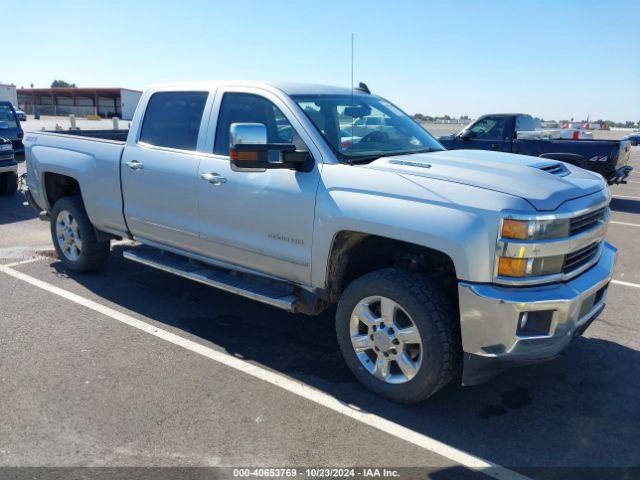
{"x": 440, "y": 262}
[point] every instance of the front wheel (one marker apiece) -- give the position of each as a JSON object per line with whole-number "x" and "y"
{"x": 8, "y": 183}
{"x": 399, "y": 334}
{"x": 74, "y": 237}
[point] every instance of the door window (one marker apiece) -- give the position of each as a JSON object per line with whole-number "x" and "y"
{"x": 249, "y": 108}
{"x": 489, "y": 128}
{"x": 172, "y": 119}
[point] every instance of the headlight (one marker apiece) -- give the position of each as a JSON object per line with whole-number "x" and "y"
{"x": 531, "y": 230}
{"x": 6, "y": 147}
{"x": 535, "y": 229}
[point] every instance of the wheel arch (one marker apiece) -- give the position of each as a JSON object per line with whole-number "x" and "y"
{"x": 58, "y": 185}
{"x": 354, "y": 254}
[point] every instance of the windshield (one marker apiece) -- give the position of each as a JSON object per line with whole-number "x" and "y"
{"x": 360, "y": 128}
{"x": 7, "y": 115}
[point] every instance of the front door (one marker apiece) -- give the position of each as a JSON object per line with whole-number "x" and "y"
{"x": 160, "y": 171}
{"x": 260, "y": 220}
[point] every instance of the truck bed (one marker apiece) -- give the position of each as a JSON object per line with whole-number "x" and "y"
{"x": 90, "y": 157}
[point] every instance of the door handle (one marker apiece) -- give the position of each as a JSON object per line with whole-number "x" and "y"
{"x": 496, "y": 146}
{"x": 213, "y": 178}
{"x": 134, "y": 165}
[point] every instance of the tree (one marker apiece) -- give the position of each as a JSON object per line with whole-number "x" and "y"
{"x": 62, "y": 84}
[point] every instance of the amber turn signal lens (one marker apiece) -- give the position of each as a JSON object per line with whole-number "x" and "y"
{"x": 515, "y": 229}
{"x": 512, "y": 267}
{"x": 243, "y": 156}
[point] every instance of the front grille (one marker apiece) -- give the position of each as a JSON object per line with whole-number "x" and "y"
{"x": 586, "y": 221}
{"x": 577, "y": 259}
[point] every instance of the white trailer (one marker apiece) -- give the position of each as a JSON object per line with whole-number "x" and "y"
{"x": 8, "y": 94}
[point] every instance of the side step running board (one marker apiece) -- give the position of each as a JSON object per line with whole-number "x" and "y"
{"x": 271, "y": 292}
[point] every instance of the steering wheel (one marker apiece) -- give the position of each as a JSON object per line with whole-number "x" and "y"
{"x": 375, "y": 136}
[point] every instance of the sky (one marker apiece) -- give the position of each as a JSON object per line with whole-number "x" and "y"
{"x": 553, "y": 59}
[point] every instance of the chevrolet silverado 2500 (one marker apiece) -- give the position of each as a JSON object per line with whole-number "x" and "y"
{"x": 439, "y": 261}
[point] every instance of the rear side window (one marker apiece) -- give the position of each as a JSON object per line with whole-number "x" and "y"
{"x": 172, "y": 119}
{"x": 526, "y": 123}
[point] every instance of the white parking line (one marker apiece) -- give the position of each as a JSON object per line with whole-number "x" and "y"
{"x": 625, "y": 223}
{"x": 293, "y": 386}
{"x": 22, "y": 262}
{"x": 626, "y": 284}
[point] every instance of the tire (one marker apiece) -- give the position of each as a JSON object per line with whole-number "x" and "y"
{"x": 8, "y": 183}
{"x": 70, "y": 223}
{"x": 428, "y": 309}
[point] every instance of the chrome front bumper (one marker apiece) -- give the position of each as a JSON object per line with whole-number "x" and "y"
{"x": 493, "y": 319}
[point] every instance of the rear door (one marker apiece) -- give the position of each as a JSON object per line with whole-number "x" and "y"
{"x": 490, "y": 133}
{"x": 160, "y": 170}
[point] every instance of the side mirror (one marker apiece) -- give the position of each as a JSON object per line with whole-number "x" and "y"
{"x": 249, "y": 149}
{"x": 466, "y": 135}
{"x": 4, "y": 125}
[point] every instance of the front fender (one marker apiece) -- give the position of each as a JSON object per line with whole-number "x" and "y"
{"x": 459, "y": 220}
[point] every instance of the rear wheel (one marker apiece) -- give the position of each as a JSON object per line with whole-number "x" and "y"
{"x": 74, "y": 237}
{"x": 8, "y": 183}
{"x": 399, "y": 334}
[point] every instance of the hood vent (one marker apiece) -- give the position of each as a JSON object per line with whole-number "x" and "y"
{"x": 554, "y": 169}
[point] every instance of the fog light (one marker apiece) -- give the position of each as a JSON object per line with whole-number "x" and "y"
{"x": 536, "y": 323}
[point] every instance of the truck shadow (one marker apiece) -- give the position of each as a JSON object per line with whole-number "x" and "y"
{"x": 580, "y": 409}
{"x": 12, "y": 209}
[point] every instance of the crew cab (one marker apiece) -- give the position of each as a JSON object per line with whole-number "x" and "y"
{"x": 517, "y": 132}
{"x": 439, "y": 261}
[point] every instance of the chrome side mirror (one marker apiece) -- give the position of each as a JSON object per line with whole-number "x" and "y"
{"x": 247, "y": 133}
{"x": 249, "y": 149}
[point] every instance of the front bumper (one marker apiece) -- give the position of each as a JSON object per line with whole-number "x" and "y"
{"x": 493, "y": 319}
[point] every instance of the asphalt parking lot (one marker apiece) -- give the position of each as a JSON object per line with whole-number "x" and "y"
{"x": 135, "y": 367}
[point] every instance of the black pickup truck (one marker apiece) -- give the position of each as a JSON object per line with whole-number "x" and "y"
{"x": 500, "y": 132}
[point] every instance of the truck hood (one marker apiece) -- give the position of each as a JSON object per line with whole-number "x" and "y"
{"x": 517, "y": 175}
